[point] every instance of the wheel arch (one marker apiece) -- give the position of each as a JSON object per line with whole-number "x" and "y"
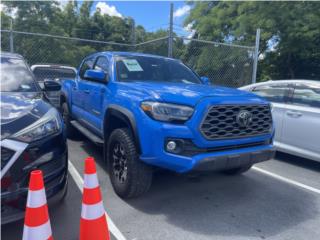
{"x": 118, "y": 117}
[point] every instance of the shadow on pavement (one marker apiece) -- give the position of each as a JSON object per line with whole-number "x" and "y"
{"x": 213, "y": 204}
{"x": 298, "y": 161}
{"x": 249, "y": 205}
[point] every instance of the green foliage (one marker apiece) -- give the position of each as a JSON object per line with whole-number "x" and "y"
{"x": 289, "y": 47}
{"x": 71, "y": 21}
{"x": 290, "y": 33}
{"x": 159, "y": 47}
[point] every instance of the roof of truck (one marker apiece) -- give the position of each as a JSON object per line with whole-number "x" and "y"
{"x": 115, "y": 53}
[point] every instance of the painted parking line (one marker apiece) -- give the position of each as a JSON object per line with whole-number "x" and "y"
{"x": 79, "y": 181}
{"x": 287, "y": 180}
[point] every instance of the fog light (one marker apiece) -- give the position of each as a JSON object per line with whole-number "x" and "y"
{"x": 171, "y": 146}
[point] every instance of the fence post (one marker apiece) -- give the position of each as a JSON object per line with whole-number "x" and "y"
{"x": 170, "y": 39}
{"x": 133, "y": 32}
{"x": 11, "y": 35}
{"x": 256, "y": 56}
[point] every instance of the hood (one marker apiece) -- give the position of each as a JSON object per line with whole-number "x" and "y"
{"x": 190, "y": 94}
{"x": 19, "y": 110}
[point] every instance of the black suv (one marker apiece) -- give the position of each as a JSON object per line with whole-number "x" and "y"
{"x": 32, "y": 137}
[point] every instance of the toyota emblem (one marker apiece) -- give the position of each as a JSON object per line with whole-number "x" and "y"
{"x": 244, "y": 118}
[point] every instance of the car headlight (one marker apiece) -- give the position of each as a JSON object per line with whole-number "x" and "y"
{"x": 47, "y": 125}
{"x": 166, "y": 111}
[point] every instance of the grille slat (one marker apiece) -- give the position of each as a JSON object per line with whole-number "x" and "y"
{"x": 220, "y": 122}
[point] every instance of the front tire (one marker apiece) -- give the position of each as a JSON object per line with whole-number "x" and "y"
{"x": 129, "y": 176}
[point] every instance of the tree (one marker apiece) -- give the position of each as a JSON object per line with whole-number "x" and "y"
{"x": 158, "y": 47}
{"x": 289, "y": 46}
{"x": 71, "y": 21}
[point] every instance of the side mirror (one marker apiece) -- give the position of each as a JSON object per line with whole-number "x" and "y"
{"x": 95, "y": 75}
{"x": 205, "y": 80}
{"x": 51, "y": 85}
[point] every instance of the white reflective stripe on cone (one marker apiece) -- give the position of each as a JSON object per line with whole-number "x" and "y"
{"x": 42, "y": 232}
{"x": 90, "y": 181}
{"x": 92, "y": 211}
{"x": 36, "y": 198}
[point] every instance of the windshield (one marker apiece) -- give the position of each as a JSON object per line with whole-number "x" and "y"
{"x": 15, "y": 76}
{"x": 53, "y": 73}
{"x": 142, "y": 68}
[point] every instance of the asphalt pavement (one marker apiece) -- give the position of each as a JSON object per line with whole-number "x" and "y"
{"x": 279, "y": 199}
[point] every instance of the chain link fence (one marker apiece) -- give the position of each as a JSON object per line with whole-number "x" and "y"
{"x": 224, "y": 64}
{"x": 157, "y": 46}
{"x": 5, "y": 41}
{"x": 43, "y": 48}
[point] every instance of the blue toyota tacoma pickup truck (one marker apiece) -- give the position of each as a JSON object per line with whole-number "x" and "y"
{"x": 149, "y": 111}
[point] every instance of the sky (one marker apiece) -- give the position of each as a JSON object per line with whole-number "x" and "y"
{"x": 152, "y": 15}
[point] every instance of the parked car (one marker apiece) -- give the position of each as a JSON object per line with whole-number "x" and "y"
{"x": 32, "y": 137}
{"x": 54, "y": 72}
{"x": 150, "y": 111}
{"x": 296, "y": 113}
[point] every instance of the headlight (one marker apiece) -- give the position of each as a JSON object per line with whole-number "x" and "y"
{"x": 48, "y": 125}
{"x": 167, "y": 111}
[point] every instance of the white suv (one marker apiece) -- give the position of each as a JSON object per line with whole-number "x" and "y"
{"x": 296, "y": 114}
{"x": 54, "y": 72}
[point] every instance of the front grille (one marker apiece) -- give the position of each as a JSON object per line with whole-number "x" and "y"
{"x": 221, "y": 122}
{"x": 6, "y": 154}
{"x": 190, "y": 149}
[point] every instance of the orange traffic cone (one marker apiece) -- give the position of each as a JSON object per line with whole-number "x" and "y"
{"x": 37, "y": 223}
{"x": 93, "y": 223}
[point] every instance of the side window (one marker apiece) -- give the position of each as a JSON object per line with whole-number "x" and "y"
{"x": 102, "y": 63}
{"x": 306, "y": 95}
{"x": 87, "y": 64}
{"x": 273, "y": 92}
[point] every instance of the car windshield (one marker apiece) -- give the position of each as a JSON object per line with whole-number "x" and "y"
{"x": 154, "y": 69}
{"x": 53, "y": 73}
{"x": 16, "y": 76}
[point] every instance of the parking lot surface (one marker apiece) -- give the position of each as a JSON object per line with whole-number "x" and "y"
{"x": 284, "y": 204}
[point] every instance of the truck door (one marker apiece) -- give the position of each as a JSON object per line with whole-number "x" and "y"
{"x": 80, "y": 92}
{"x": 97, "y": 96}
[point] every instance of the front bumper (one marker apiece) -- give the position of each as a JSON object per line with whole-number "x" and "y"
{"x": 49, "y": 155}
{"x": 213, "y": 161}
{"x": 236, "y": 160}
{"x": 56, "y": 191}
{"x": 209, "y": 155}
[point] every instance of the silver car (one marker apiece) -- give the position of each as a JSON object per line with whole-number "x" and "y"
{"x": 296, "y": 114}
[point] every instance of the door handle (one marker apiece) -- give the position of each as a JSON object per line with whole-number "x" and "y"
{"x": 87, "y": 91}
{"x": 294, "y": 114}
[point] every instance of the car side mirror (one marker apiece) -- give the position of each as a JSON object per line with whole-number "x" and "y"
{"x": 95, "y": 75}
{"x": 51, "y": 85}
{"x": 205, "y": 80}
